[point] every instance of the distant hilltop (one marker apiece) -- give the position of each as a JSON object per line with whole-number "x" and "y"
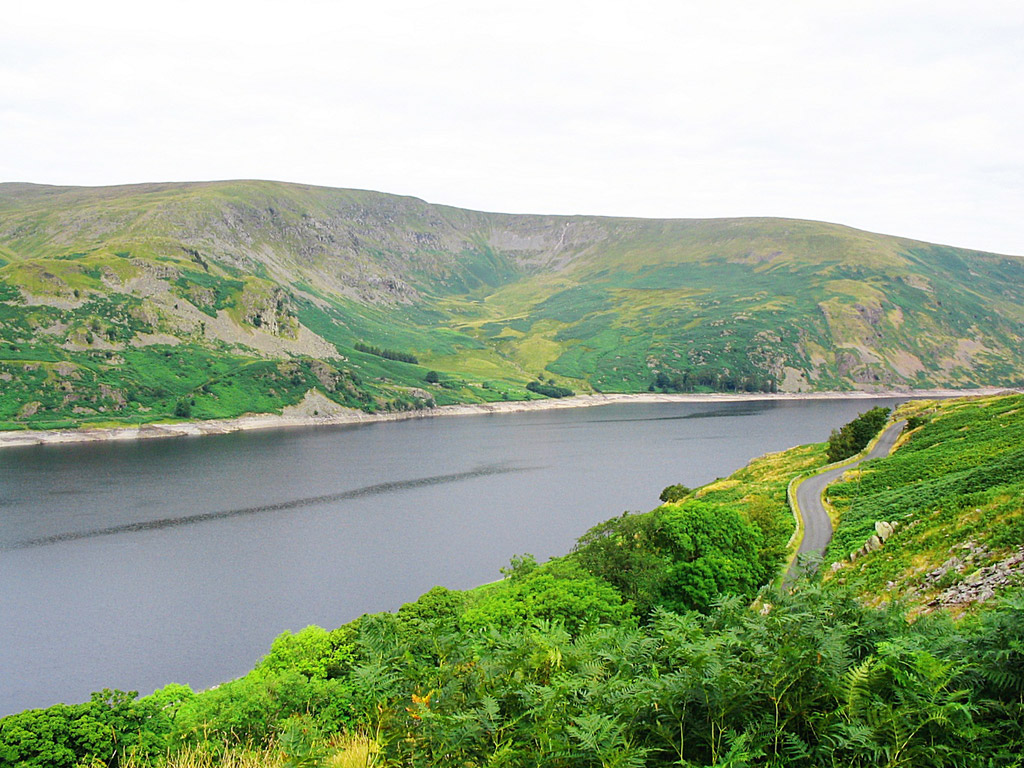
{"x": 137, "y": 303}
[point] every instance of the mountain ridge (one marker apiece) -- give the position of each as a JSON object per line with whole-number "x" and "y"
{"x": 161, "y": 186}
{"x": 282, "y": 271}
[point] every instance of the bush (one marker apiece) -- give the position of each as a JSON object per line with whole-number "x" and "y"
{"x": 674, "y": 493}
{"x": 854, "y": 437}
{"x": 549, "y": 390}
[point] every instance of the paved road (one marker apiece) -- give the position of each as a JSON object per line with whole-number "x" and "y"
{"x": 817, "y": 526}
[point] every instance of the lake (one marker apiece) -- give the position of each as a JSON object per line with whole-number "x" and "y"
{"x": 133, "y": 565}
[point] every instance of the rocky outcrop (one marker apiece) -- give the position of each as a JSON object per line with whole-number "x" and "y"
{"x": 978, "y": 586}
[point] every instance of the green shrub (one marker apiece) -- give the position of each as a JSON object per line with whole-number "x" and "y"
{"x": 853, "y": 437}
{"x": 674, "y": 493}
{"x": 549, "y": 390}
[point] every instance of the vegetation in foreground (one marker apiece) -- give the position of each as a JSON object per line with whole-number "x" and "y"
{"x": 649, "y": 644}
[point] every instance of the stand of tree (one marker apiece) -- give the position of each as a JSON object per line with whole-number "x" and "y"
{"x": 715, "y": 380}
{"x": 388, "y": 354}
{"x": 853, "y": 437}
{"x": 549, "y": 390}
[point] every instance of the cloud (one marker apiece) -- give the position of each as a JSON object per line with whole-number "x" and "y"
{"x": 899, "y": 116}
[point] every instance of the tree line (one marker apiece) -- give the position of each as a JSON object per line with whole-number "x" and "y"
{"x": 549, "y": 390}
{"x": 387, "y": 354}
{"x": 715, "y": 380}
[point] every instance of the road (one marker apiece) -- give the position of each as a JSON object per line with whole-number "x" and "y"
{"x": 817, "y": 526}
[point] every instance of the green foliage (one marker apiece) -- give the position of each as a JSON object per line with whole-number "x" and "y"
{"x": 674, "y": 493}
{"x": 804, "y": 678}
{"x": 854, "y": 437}
{"x": 713, "y": 551}
{"x": 628, "y": 552}
{"x": 549, "y": 390}
{"x": 915, "y": 421}
{"x": 960, "y": 478}
{"x": 681, "y": 556}
{"x": 313, "y": 652}
{"x": 519, "y": 567}
{"x": 387, "y": 354}
{"x": 560, "y": 591}
{"x": 108, "y": 726}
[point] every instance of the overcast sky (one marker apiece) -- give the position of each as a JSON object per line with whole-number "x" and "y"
{"x": 894, "y": 116}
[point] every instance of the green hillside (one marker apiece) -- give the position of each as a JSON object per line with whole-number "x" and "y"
{"x": 134, "y": 303}
{"x": 651, "y": 644}
{"x": 956, "y": 493}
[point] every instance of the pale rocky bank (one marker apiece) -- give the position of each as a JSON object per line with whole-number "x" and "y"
{"x": 317, "y": 410}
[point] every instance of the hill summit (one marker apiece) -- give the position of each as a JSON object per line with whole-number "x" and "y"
{"x": 213, "y": 299}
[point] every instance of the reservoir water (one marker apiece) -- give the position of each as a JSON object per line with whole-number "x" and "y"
{"x": 134, "y": 565}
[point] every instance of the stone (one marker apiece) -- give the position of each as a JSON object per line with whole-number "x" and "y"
{"x": 873, "y": 544}
{"x": 883, "y": 530}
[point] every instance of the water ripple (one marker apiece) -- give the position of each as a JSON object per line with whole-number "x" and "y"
{"x": 174, "y": 522}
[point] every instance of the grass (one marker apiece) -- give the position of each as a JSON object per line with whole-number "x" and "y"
{"x": 349, "y": 750}
{"x": 760, "y": 491}
{"x": 958, "y": 478}
{"x": 604, "y": 304}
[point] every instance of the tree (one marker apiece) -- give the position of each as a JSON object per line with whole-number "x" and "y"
{"x": 714, "y": 551}
{"x": 854, "y": 436}
{"x": 674, "y": 493}
{"x": 627, "y": 552}
{"x": 432, "y": 377}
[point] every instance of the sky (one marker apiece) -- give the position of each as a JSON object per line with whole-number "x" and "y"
{"x": 894, "y": 116}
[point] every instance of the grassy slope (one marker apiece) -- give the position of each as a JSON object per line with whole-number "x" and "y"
{"x": 956, "y": 488}
{"x": 245, "y": 271}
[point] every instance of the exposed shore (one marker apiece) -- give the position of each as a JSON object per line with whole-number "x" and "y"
{"x": 317, "y": 410}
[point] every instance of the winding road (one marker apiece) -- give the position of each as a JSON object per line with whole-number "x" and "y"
{"x": 817, "y": 525}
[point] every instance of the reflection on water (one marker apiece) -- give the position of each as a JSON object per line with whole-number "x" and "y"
{"x": 731, "y": 410}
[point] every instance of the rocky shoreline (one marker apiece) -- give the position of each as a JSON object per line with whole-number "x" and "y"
{"x": 317, "y": 410}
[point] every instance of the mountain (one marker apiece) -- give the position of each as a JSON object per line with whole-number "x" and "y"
{"x": 213, "y": 299}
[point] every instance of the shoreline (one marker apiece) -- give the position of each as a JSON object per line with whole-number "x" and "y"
{"x": 298, "y": 415}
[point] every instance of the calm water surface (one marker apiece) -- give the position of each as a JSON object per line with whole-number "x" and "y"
{"x": 134, "y": 565}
